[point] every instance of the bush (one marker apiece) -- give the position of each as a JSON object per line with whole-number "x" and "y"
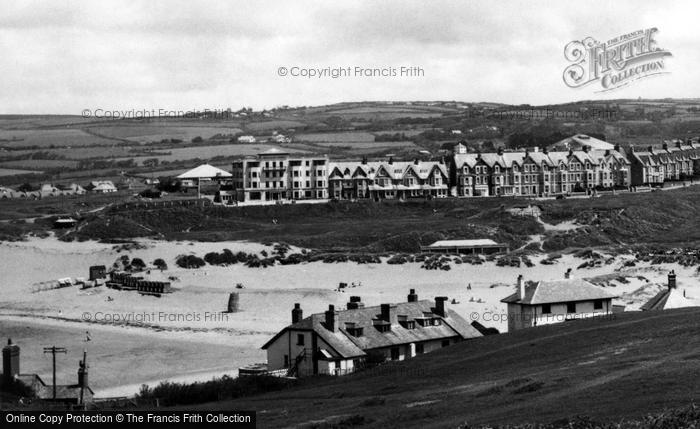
{"x": 171, "y": 394}
{"x": 189, "y": 261}
{"x": 160, "y": 264}
{"x": 137, "y": 264}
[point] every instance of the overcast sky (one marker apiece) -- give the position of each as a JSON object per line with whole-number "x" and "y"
{"x": 65, "y": 56}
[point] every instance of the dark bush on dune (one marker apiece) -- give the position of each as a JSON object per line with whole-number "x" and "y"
{"x": 189, "y": 261}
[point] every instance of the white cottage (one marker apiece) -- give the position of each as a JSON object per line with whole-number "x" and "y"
{"x": 547, "y": 302}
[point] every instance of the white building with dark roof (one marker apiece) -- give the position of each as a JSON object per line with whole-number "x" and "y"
{"x": 547, "y": 302}
{"x": 339, "y": 342}
{"x": 670, "y": 298}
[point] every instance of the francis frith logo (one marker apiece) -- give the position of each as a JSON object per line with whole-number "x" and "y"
{"x": 615, "y": 63}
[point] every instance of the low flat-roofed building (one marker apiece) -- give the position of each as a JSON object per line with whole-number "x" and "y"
{"x": 483, "y": 245}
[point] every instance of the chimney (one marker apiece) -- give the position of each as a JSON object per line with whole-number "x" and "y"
{"x": 521, "y": 287}
{"x": 650, "y": 149}
{"x": 83, "y": 371}
{"x": 607, "y": 152}
{"x": 364, "y": 160}
{"x": 616, "y": 148}
{"x": 500, "y": 151}
{"x": 391, "y": 160}
{"x": 297, "y": 313}
{"x": 665, "y": 146}
{"x": 389, "y": 314}
{"x": 567, "y": 274}
{"x": 671, "y": 280}
{"x": 415, "y": 161}
{"x": 10, "y": 360}
{"x": 355, "y": 303}
{"x": 412, "y": 296}
{"x": 441, "y": 306}
{"x": 586, "y": 148}
{"x": 332, "y": 319}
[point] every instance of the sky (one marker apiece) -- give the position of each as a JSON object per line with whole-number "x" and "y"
{"x": 61, "y": 57}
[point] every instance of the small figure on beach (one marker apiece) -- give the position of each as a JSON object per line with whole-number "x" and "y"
{"x": 469, "y": 286}
{"x": 274, "y": 221}
{"x": 109, "y": 298}
{"x": 87, "y": 336}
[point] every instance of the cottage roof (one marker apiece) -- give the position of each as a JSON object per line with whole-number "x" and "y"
{"x": 348, "y": 346}
{"x": 204, "y": 171}
{"x": 669, "y": 298}
{"x": 559, "y": 291}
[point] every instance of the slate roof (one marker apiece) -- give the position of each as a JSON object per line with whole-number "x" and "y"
{"x": 422, "y": 170}
{"x": 580, "y": 140}
{"x": 669, "y": 298}
{"x": 204, "y": 170}
{"x": 559, "y": 291}
{"x": 45, "y": 391}
{"x": 349, "y": 346}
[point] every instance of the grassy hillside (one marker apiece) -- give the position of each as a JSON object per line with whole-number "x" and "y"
{"x": 607, "y": 370}
{"x": 662, "y": 219}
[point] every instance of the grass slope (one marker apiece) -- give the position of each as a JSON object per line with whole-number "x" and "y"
{"x": 635, "y": 364}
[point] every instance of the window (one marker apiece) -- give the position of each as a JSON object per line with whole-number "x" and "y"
{"x": 445, "y": 343}
{"x": 286, "y": 361}
{"x": 337, "y": 364}
{"x": 598, "y": 304}
{"x": 420, "y": 349}
{"x": 394, "y": 353}
{"x": 546, "y": 308}
{"x": 300, "y": 339}
{"x": 571, "y": 307}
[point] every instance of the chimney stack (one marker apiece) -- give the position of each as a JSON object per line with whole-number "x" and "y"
{"x": 332, "y": 319}
{"x": 567, "y": 274}
{"x": 412, "y": 296}
{"x": 616, "y": 148}
{"x": 671, "y": 280}
{"x": 10, "y": 360}
{"x": 665, "y": 146}
{"x": 650, "y": 149}
{"x": 355, "y": 303}
{"x": 297, "y": 313}
{"x": 441, "y": 306}
{"x": 521, "y": 287}
{"x": 389, "y": 314}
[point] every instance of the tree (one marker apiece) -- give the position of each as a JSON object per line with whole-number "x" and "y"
{"x": 197, "y": 139}
{"x": 26, "y": 187}
{"x": 137, "y": 264}
{"x": 160, "y": 264}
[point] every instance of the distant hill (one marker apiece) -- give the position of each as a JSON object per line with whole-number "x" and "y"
{"x": 629, "y": 367}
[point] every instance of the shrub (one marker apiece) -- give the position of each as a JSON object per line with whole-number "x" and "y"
{"x": 189, "y": 261}
{"x": 137, "y": 264}
{"x": 160, "y": 264}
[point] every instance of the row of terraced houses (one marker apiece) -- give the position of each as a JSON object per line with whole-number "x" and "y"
{"x": 277, "y": 176}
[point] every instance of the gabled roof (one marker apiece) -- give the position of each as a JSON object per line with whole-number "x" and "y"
{"x": 349, "y": 346}
{"x": 579, "y": 140}
{"x": 669, "y": 298}
{"x": 204, "y": 171}
{"x": 559, "y": 291}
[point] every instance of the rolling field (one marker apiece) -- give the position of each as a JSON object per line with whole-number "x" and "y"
{"x": 50, "y": 138}
{"x": 38, "y": 164}
{"x": 156, "y": 132}
{"x": 345, "y": 137}
{"x": 14, "y": 172}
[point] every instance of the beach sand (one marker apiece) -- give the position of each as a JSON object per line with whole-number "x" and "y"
{"x": 166, "y": 335}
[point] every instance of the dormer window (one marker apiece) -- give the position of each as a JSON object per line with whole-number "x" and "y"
{"x": 381, "y": 325}
{"x": 353, "y": 329}
{"x": 406, "y": 323}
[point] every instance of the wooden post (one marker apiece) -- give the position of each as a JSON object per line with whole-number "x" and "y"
{"x": 53, "y": 350}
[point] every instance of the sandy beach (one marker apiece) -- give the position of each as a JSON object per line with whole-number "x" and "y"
{"x": 190, "y": 338}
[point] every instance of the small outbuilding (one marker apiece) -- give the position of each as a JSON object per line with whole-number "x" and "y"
{"x": 485, "y": 246}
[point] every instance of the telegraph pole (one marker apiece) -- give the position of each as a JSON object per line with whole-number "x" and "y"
{"x": 53, "y": 350}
